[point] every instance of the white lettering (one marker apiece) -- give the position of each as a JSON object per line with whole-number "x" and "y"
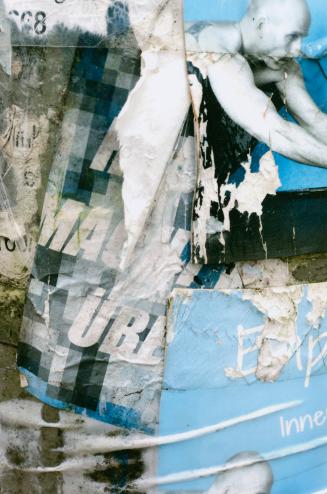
{"x": 302, "y": 423}
{"x": 90, "y": 235}
{"x": 84, "y": 332}
{"x": 281, "y": 421}
{"x": 319, "y": 418}
{"x": 313, "y": 362}
{"x": 303, "y": 420}
{"x": 123, "y": 334}
{"x": 60, "y": 225}
{"x": 290, "y": 423}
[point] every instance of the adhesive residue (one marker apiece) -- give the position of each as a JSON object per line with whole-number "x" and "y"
{"x": 278, "y": 340}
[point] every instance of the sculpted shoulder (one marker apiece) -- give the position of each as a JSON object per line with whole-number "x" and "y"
{"x": 217, "y": 37}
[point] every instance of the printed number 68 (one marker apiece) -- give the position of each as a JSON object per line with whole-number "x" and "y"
{"x": 39, "y": 18}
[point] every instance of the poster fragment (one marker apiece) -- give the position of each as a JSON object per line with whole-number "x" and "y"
{"x": 258, "y": 85}
{"x": 92, "y": 338}
{"x": 244, "y": 392}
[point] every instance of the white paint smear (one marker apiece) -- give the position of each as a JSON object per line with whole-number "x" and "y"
{"x": 206, "y": 472}
{"x": 257, "y": 274}
{"x": 5, "y": 40}
{"x": 106, "y": 444}
{"x": 247, "y": 197}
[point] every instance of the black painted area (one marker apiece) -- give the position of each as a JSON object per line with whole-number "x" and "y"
{"x": 293, "y": 223}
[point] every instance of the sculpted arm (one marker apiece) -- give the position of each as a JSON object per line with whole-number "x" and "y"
{"x": 232, "y": 81}
{"x": 300, "y": 104}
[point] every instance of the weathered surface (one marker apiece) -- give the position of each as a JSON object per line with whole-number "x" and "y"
{"x": 31, "y": 432}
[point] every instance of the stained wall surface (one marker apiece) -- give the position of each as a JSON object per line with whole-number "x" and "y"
{"x": 44, "y": 449}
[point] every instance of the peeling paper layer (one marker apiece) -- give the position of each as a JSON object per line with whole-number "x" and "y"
{"x": 237, "y": 352}
{"x": 43, "y": 449}
{"x": 149, "y": 141}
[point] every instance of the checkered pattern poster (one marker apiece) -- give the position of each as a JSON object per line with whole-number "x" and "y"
{"x": 92, "y": 338}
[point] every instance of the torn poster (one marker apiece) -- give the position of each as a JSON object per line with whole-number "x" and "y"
{"x": 63, "y": 351}
{"x": 257, "y": 71}
{"x": 92, "y": 338}
{"x": 243, "y": 402}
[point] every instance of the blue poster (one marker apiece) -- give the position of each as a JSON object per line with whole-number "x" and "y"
{"x": 244, "y": 402}
{"x": 258, "y": 80}
{"x": 313, "y": 63}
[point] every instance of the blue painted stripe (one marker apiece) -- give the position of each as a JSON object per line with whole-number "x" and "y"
{"x": 107, "y": 412}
